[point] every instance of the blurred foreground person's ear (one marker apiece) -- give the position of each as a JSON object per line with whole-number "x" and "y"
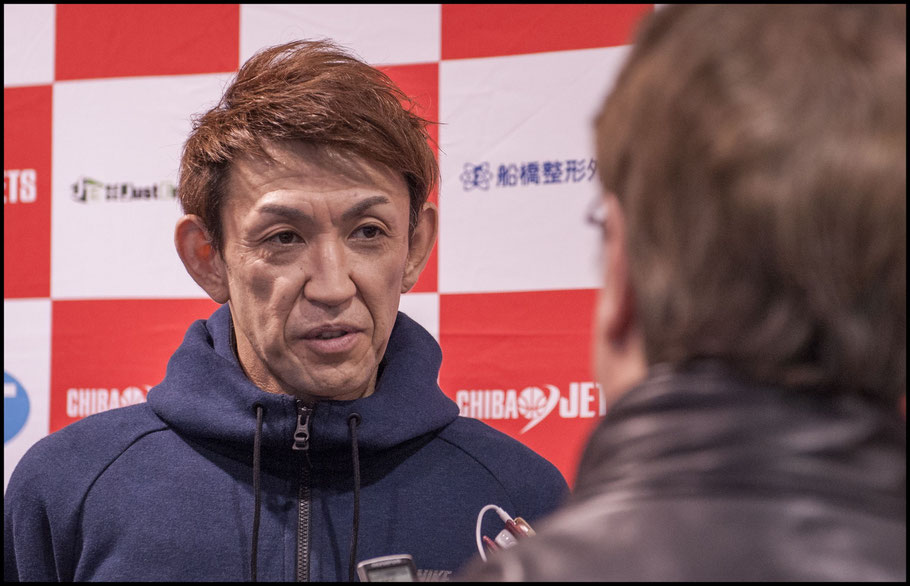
{"x": 618, "y": 348}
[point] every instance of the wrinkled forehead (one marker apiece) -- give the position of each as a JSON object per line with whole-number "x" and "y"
{"x": 316, "y": 163}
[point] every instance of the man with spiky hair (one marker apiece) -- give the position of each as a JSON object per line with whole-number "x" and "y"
{"x": 300, "y": 429}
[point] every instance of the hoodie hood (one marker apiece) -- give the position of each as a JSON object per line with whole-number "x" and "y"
{"x": 206, "y": 395}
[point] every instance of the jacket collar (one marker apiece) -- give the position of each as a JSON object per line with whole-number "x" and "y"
{"x": 704, "y": 429}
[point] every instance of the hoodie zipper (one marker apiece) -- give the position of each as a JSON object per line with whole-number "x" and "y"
{"x": 302, "y": 444}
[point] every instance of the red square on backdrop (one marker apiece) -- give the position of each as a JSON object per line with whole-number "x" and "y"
{"x": 109, "y": 353}
{"x": 521, "y": 363}
{"x": 27, "y": 113}
{"x": 148, "y": 39}
{"x": 490, "y": 30}
{"x": 421, "y": 83}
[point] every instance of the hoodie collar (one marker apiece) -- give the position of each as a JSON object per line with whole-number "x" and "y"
{"x": 206, "y": 395}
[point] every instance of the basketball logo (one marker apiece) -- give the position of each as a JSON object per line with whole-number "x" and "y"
{"x": 535, "y": 404}
{"x": 532, "y": 403}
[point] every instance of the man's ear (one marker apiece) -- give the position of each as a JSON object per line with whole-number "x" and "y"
{"x": 618, "y": 312}
{"x": 201, "y": 261}
{"x": 618, "y": 349}
{"x": 420, "y": 245}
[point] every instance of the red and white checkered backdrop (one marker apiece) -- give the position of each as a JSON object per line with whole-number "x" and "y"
{"x": 98, "y": 100}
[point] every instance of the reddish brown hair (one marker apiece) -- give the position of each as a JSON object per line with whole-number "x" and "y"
{"x": 312, "y": 92}
{"x": 759, "y": 153}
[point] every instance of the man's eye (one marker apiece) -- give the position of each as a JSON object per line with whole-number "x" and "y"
{"x": 369, "y": 232}
{"x": 284, "y": 238}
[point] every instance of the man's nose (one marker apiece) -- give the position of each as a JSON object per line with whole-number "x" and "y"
{"x": 329, "y": 274}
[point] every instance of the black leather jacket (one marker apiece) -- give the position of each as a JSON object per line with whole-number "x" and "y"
{"x": 699, "y": 476}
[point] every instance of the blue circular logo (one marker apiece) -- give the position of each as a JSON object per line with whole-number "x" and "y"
{"x": 15, "y": 407}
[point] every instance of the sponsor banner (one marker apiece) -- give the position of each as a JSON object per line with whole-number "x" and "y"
{"x": 379, "y": 33}
{"x": 519, "y": 175}
{"x": 26, "y": 191}
{"x": 489, "y": 30}
{"x": 108, "y": 354}
{"x": 90, "y": 172}
{"x": 114, "y": 204}
{"x": 28, "y": 44}
{"x": 120, "y": 40}
{"x": 520, "y": 362}
{"x": 26, "y": 377}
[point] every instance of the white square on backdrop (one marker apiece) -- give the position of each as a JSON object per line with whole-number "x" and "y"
{"x": 422, "y": 308}
{"x": 523, "y": 229}
{"x": 26, "y": 377}
{"x": 380, "y": 34}
{"x": 28, "y": 44}
{"x": 109, "y": 137}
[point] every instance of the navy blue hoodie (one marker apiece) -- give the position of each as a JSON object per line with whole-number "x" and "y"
{"x": 164, "y": 490}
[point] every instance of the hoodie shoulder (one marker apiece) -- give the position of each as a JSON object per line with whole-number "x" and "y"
{"x": 43, "y": 501}
{"x": 62, "y": 465}
{"x": 532, "y": 481}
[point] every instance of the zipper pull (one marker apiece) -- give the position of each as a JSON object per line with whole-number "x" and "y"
{"x": 302, "y": 433}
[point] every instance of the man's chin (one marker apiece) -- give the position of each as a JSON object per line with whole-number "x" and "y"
{"x": 332, "y": 389}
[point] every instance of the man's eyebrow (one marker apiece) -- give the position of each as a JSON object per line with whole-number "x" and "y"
{"x": 295, "y": 214}
{"x": 286, "y": 211}
{"x": 362, "y": 206}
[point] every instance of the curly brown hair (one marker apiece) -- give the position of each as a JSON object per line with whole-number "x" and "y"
{"x": 312, "y": 92}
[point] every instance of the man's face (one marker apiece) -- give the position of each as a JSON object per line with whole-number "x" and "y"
{"x": 314, "y": 263}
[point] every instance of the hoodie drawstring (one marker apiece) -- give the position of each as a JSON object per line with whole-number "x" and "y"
{"x": 257, "y": 506}
{"x": 353, "y": 422}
